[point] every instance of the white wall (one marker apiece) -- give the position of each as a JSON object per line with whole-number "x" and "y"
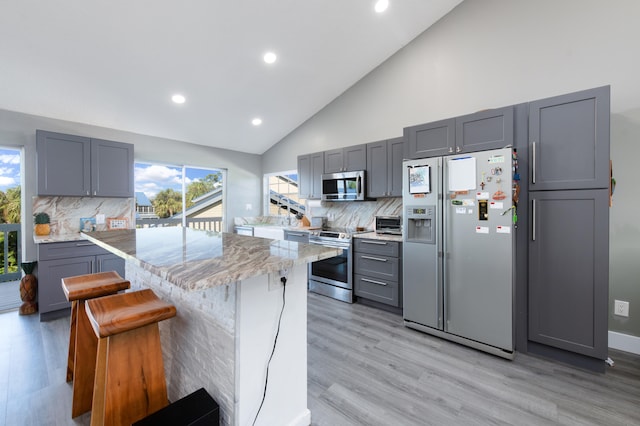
{"x": 492, "y": 53}
{"x": 244, "y": 174}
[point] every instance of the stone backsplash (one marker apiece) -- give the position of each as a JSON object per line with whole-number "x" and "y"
{"x": 65, "y": 212}
{"x": 347, "y": 214}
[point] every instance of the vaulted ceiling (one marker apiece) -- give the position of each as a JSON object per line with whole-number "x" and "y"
{"x": 117, "y": 63}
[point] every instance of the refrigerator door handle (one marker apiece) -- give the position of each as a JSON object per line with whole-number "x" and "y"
{"x": 533, "y": 220}
{"x": 533, "y": 166}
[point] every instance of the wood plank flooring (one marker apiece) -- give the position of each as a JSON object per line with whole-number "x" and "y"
{"x": 365, "y": 368}
{"x": 9, "y": 295}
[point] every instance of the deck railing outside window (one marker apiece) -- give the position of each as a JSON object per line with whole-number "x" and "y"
{"x": 10, "y": 256}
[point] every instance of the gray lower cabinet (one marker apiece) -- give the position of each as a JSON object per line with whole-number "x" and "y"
{"x": 569, "y": 141}
{"x": 71, "y": 165}
{"x": 310, "y": 169}
{"x": 384, "y": 168}
{"x": 480, "y": 131}
{"x": 351, "y": 158}
{"x": 378, "y": 270}
{"x": 67, "y": 259}
{"x": 296, "y": 236}
{"x": 569, "y": 270}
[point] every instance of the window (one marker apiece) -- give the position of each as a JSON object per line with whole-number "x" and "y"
{"x": 179, "y": 195}
{"x": 282, "y": 194}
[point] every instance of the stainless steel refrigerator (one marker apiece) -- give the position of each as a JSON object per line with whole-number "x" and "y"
{"x": 458, "y": 248}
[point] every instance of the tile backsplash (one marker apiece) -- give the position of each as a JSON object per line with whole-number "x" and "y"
{"x": 65, "y": 212}
{"x": 352, "y": 214}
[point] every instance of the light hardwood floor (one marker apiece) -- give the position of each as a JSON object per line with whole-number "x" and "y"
{"x": 365, "y": 368}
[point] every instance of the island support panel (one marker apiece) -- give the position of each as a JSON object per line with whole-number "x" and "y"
{"x": 221, "y": 340}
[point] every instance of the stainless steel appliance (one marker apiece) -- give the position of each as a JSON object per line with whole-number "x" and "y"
{"x": 333, "y": 277}
{"x": 458, "y": 249}
{"x": 347, "y": 186}
{"x": 389, "y": 225}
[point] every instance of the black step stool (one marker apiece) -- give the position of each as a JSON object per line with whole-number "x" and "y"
{"x": 195, "y": 409}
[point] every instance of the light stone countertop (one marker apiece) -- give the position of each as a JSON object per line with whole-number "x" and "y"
{"x": 373, "y": 236}
{"x": 197, "y": 260}
{"x": 57, "y": 238}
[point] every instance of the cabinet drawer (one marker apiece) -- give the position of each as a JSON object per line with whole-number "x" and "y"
{"x": 375, "y": 289}
{"x": 67, "y": 249}
{"x": 375, "y": 266}
{"x": 380, "y": 247}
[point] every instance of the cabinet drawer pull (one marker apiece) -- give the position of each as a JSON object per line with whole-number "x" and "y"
{"x": 83, "y": 244}
{"x": 373, "y": 281}
{"x": 295, "y": 234}
{"x": 379, "y": 259}
{"x": 379, "y": 243}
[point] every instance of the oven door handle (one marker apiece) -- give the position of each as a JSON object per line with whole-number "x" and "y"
{"x": 330, "y": 245}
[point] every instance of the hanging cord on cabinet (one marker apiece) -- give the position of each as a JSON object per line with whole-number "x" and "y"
{"x": 283, "y": 280}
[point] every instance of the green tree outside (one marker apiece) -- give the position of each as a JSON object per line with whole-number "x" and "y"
{"x": 10, "y": 208}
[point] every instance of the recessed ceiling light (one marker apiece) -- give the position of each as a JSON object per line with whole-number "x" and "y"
{"x": 269, "y": 57}
{"x": 381, "y": 5}
{"x": 179, "y": 99}
{"x": 256, "y": 121}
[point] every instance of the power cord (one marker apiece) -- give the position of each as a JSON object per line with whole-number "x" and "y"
{"x": 283, "y": 280}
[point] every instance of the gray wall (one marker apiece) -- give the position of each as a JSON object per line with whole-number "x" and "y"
{"x": 492, "y": 53}
{"x": 244, "y": 174}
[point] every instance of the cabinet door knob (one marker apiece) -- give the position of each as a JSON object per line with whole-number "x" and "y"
{"x": 450, "y": 149}
{"x": 458, "y": 149}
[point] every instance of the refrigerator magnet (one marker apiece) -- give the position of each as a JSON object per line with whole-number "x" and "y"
{"x": 503, "y": 229}
{"x": 482, "y": 229}
{"x": 482, "y": 195}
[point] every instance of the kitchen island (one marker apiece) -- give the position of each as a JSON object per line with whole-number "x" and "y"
{"x": 229, "y": 296}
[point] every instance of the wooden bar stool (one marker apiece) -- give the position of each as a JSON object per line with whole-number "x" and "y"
{"x": 83, "y": 344}
{"x": 130, "y": 382}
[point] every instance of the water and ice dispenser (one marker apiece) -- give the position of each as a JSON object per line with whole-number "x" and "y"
{"x": 421, "y": 224}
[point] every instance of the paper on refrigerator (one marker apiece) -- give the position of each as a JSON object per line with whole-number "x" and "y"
{"x": 462, "y": 174}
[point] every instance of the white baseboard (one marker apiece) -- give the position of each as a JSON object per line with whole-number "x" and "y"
{"x": 624, "y": 342}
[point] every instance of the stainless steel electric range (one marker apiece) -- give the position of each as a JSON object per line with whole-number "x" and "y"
{"x": 333, "y": 277}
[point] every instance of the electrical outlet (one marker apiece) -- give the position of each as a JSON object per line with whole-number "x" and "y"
{"x": 621, "y": 308}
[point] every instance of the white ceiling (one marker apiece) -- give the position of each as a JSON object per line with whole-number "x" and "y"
{"x": 116, "y": 63}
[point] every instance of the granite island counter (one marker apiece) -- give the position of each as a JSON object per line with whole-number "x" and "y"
{"x": 228, "y": 293}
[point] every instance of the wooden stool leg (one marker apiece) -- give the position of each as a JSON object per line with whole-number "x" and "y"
{"x": 130, "y": 382}
{"x": 72, "y": 341}
{"x": 85, "y": 362}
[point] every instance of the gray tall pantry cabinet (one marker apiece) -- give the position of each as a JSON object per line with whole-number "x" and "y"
{"x": 569, "y": 180}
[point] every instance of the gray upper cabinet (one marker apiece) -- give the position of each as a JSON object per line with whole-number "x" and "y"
{"x": 430, "y": 139}
{"x": 569, "y": 270}
{"x": 111, "y": 169}
{"x": 64, "y": 164}
{"x": 480, "y": 131}
{"x": 77, "y": 166}
{"x": 569, "y": 141}
{"x": 310, "y": 169}
{"x": 484, "y": 130}
{"x": 384, "y": 168}
{"x": 352, "y": 158}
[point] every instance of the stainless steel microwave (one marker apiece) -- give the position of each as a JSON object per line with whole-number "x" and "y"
{"x": 346, "y": 186}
